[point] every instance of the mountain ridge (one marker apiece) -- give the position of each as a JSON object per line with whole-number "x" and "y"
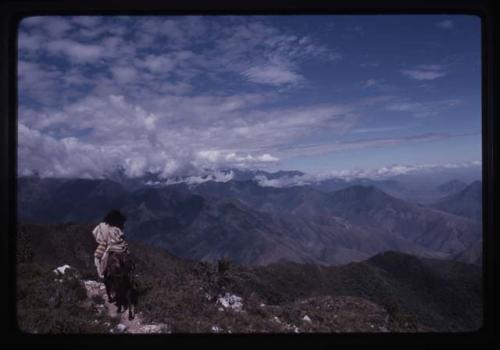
{"x": 254, "y": 224}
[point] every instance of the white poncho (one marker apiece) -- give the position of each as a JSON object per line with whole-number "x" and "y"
{"x": 109, "y": 238}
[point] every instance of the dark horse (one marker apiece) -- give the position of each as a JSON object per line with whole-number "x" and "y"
{"x": 120, "y": 285}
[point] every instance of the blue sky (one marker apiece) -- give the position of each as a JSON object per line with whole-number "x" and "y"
{"x": 176, "y": 95}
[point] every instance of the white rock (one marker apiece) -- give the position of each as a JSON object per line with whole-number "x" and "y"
{"x": 216, "y": 329}
{"x": 233, "y": 302}
{"x": 61, "y": 269}
{"x": 121, "y": 327}
{"x": 306, "y": 319}
{"x": 152, "y": 328}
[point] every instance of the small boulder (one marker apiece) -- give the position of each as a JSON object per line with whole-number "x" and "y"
{"x": 61, "y": 269}
{"x": 120, "y": 328}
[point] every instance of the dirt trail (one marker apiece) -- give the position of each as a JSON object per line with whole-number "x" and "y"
{"x": 125, "y": 325}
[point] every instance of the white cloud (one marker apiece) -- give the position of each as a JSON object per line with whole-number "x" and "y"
{"x": 272, "y": 75}
{"x": 425, "y": 72}
{"x": 369, "y": 83}
{"x": 422, "y": 109}
{"x": 353, "y": 174}
{"x": 287, "y": 181}
{"x": 145, "y": 95}
{"x": 158, "y": 64}
{"x": 87, "y": 21}
{"x": 124, "y": 74}
{"x": 75, "y": 51}
{"x": 216, "y": 176}
{"x": 29, "y": 42}
{"x": 214, "y": 159}
{"x": 57, "y": 27}
{"x": 139, "y": 139}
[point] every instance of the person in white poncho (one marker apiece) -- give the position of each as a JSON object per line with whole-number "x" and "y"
{"x": 109, "y": 237}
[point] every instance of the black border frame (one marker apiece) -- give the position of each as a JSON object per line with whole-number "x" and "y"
{"x": 11, "y": 12}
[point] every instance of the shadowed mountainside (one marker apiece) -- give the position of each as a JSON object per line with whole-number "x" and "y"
{"x": 467, "y": 203}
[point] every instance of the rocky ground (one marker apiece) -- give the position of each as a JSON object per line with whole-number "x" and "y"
{"x": 98, "y": 299}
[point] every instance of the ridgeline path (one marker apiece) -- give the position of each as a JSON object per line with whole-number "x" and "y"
{"x": 136, "y": 326}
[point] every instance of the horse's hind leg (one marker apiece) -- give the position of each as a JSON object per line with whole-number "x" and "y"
{"x": 107, "y": 284}
{"x": 131, "y": 305}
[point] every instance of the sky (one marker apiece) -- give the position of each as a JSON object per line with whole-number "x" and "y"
{"x": 181, "y": 94}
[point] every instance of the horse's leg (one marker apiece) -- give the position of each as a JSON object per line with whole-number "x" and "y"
{"x": 130, "y": 302}
{"x": 131, "y": 313}
{"x": 107, "y": 284}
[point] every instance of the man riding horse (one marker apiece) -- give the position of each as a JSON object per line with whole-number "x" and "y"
{"x": 113, "y": 262}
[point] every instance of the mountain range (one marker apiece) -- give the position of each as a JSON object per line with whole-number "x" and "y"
{"x": 254, "y": 224}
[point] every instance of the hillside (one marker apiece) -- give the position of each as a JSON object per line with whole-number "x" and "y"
{"x": 467, "y": 203}
{"x": 435, "y": 230}
{"x": 389, "y": 292}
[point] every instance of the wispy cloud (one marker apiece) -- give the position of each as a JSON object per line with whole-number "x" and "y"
{"x": 425, "y": 72}
{"x": 326, "y": 148}
{"x": 381, "y": 129}
{"x": 422, "y": 109}
{"x": 272, "y": 74}
{"x": 370, "y": 82}
{"x": 369, "y": 64}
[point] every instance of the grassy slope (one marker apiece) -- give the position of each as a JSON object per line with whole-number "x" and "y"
{"x": 440, "y": 295}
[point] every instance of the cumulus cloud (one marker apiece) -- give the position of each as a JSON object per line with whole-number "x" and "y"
{"x": 76, "y": 51}
{"x": 124, "y": 74}
{"x": 171, "y": 96}
{"x": 158, "y": 64}
{"x": 87, "y": 21}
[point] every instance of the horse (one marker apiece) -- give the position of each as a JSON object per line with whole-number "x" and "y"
{"x": 120, "y": 285}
